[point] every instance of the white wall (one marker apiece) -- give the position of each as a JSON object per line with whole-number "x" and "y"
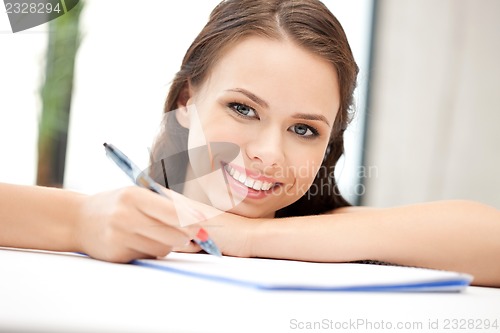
{"x": 434, "y": 128}
{"x": 21, "y": 60}
{"x": 124, "y": 68}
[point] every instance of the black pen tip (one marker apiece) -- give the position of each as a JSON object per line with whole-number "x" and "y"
{"x": 105, "y": 144}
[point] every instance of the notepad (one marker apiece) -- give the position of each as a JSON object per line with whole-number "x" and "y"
{"x": 288, "y": 275}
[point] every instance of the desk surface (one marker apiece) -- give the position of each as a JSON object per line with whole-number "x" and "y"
{"x": 58, "y": 292}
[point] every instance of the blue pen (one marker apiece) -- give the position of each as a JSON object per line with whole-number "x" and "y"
{"x": 143, "y": 180}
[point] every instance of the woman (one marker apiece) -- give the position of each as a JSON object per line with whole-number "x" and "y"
{"x": 275, "y": 80}
{"x": 280, "y": 89}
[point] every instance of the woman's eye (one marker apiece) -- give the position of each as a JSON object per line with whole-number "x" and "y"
{"x": 243, "y": 109}
{"x": 304, "y": 130}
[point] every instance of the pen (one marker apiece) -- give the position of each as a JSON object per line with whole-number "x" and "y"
{"x": 143, "y": 180}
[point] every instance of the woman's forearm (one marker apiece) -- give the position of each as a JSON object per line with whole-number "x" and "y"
{"x": 453, "y": 235}
{"x": 38, "y": 217}
{"x": 118, "y": 226}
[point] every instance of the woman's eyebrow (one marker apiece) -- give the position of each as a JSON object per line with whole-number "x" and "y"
{"x": 251, "y": 95}
{"x": 263, "y": 103}
{"x": 310, "y": 116}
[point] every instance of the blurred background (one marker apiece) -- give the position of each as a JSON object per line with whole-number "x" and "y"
{"x": 427, "y": 116}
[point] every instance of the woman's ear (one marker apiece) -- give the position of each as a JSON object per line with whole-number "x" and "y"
{"x": 182, "y": 113}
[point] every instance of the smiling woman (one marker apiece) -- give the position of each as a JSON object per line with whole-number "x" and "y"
{"x": 248, "y": 87}
{"x": 286, "y": 130}
{"x": 253, "y": 128}
{"x": 276, "y": 78}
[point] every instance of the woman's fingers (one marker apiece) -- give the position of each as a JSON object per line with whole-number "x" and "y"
{"x": 158, "y": 240}
{"x": 173, "y": 209}
{"x": 191, "y": 247}
{"x": 135, "y": 223}
{"x": 165, "y": 234}
{"x": 149, "y": 247}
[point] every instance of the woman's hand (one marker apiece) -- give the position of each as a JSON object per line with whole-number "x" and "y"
{"x": 231, "y": 233}
{"x": 132, "y": 223}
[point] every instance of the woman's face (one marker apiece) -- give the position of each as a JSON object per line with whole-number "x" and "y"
{"x": 277, "y": 102}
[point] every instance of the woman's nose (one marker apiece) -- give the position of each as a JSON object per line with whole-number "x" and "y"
{"x": 266, "y": 148}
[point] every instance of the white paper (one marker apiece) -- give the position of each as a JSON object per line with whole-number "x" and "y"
{"x": 290, "y": 275}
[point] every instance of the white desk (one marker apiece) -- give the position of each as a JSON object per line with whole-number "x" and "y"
{"x": 57, "y": 292}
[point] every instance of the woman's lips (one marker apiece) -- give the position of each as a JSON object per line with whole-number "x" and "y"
{"x": 252, "y": 185}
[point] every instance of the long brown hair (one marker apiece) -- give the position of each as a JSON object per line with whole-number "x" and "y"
{"x": 308, "y": 23}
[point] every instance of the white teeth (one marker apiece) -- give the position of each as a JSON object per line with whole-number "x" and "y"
{"x": 257, "y": 185}
{"x": 242, "y": 178}
{"x": 249, "y": 182}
